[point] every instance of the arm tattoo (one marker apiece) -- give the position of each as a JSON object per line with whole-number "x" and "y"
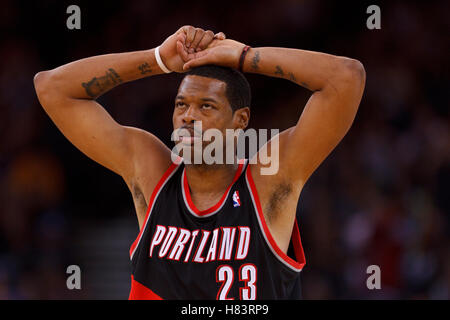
{"x": 255, "y": 61}
{"x": 145, "y": 68}
{"x": 292, "y": 77}
{"x": 279, "y": 71}
{"x": 289, "y": 76}
{"x": 97, "y": 86}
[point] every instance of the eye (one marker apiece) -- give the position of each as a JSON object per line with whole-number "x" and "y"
{"x": 207, "y": 106}
{"x": 179, "y": 104}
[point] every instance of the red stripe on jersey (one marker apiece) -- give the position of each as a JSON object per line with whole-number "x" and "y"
{"x": 296, "y": 241}
{"x": 297, "y": 245}
{"x": 221, "y": 201}
{"x": 155, "y": 192}
{"x": 140, "y": 292}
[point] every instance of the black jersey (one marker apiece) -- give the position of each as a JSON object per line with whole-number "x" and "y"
{"x": 225, "y": 252}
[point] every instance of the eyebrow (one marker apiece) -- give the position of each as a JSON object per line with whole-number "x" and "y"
{"x": 206, "y": 99}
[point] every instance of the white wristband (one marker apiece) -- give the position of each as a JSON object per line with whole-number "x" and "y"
{"x": 159, "y": 61}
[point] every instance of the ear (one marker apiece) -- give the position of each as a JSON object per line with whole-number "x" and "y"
{"x": 241, "y": 118}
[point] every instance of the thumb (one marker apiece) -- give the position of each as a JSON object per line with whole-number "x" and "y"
{"x": 196, "y": 62}
{"x": 182, "y": 51}
{"x": 199, "y": 59}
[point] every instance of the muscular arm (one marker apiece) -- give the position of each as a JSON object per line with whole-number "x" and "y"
{"x": 337, "y": 84}
{"x": 68, "y": 94}
{"x": 91, "y": 77}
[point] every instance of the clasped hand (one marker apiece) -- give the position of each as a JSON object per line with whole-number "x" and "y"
{"x": 191, "y": 47}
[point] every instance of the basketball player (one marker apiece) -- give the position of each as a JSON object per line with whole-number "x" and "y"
{"x": 221, "y": 231}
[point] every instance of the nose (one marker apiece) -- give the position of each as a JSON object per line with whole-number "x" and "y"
{"x": 189, "y": 116}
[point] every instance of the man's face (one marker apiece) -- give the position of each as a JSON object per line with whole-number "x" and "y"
{"x": 202, "y": 99}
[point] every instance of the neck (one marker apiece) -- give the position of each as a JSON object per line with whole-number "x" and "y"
{"x": 210, "y": 179}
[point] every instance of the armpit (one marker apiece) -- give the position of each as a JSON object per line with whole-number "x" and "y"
{"x": 280, "y": 194}
{"x": 139, "y": 200}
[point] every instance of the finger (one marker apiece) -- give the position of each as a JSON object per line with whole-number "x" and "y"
{"x": 190, "y": 34}
{"x": 200, "y": 59}
{"x": 197, "y": 38}
{"x": 196, "y": 55}
{"x": 206, "y": 40}
{"x": 181, "y": 37}
{"x": 220, "y": 36}
{"x": 181, "y": 49}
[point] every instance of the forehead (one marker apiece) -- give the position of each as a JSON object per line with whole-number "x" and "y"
{"x": 202, "y": 86}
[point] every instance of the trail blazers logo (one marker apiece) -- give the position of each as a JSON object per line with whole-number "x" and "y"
{"x": 236, "y": 199}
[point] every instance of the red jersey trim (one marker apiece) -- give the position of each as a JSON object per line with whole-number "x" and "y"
{"x": 167, "y": 175}
{"x": 296, "y": 241}
{"x": 214, "y": 209}
{"x": 140, "y": 292}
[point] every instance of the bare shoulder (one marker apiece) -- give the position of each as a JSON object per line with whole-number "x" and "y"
{"x": 151, "y": 159}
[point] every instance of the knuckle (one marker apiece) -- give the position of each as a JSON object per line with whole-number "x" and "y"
{"x": 199, "y": 34}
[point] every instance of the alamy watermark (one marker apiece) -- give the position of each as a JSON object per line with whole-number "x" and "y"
{"x": 374, "y": 280}
{"x": 192, "y": 145}
{"x": 374, "y": 20}
{"x": 74, "y": 20}
{"x": 74, "y": 280}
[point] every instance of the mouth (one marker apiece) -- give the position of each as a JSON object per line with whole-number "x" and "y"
{"x": 188, "y": 136}
{"x": 188, "y": 140}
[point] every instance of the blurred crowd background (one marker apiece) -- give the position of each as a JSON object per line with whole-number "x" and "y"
{"x": 381, "y": 198}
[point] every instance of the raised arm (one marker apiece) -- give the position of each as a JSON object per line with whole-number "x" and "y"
{"x": 68, "y": 94}
{"x": 337, "y": 84}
